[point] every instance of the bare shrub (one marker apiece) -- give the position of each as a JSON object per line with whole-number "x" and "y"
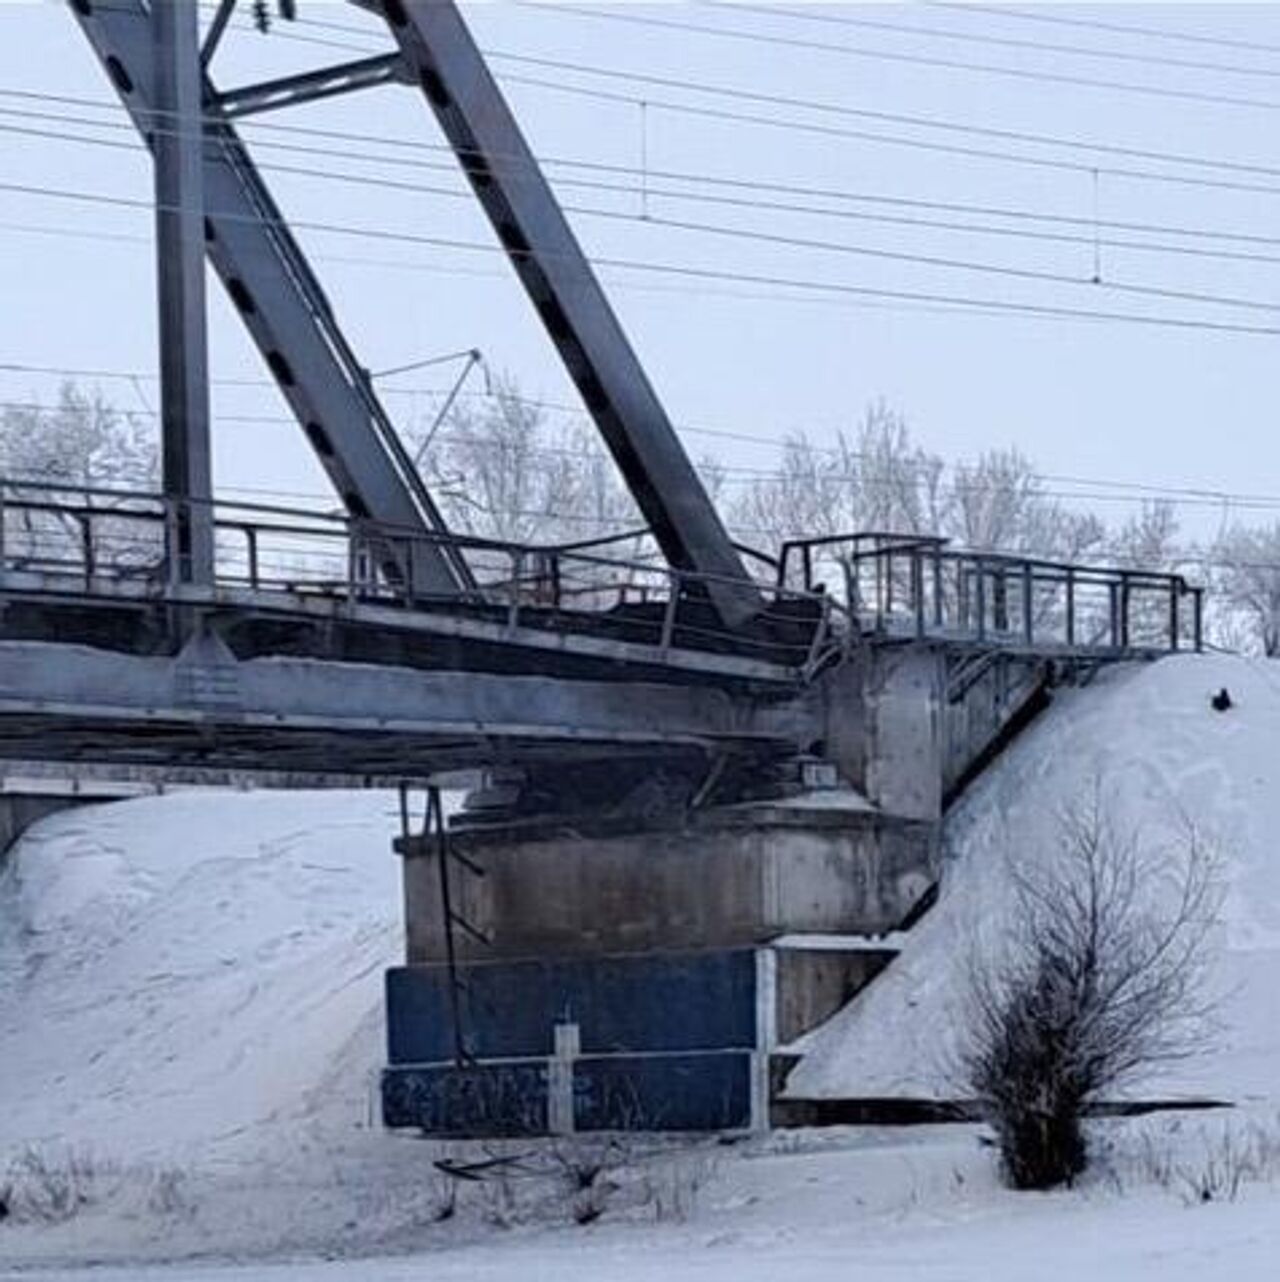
{"x": 1223, "y": 1164}
{"x": 587, "y": 1167}
{"x": 673, "y": 1189}
{"x": 167, "y": 1192}
{"x": 1101, "y": 977}
{"x": 41, "y": 1188}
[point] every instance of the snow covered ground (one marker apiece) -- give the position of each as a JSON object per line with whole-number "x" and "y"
{"x": 177, "y": 972}
{"x": 191, "y": 1028}
{"x": 1147, "y": 736}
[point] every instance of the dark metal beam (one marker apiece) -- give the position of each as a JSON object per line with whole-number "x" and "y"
{"x": 283, "y": 306}
{"x": 558, "y": 278}
{"x": 217, "y": 27}
{"x": 327, "y": 82}
{"x": 184, "y": 373}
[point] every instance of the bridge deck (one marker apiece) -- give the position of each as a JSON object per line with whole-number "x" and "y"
{"x": 310, "y": 652}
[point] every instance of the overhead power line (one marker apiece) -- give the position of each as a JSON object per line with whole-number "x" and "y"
{"x": 814, "y": 14}
{"x": 691, "y": 272}
{"x": 651, "y": 172}
{"x": 1098, "y": 24}
{"x": 830, "y": 246}
{"x": 744, "y": 92}
{"x": 1038, "y": 76}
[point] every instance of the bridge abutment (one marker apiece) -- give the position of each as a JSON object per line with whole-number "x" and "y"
{"x": 634, "y": 968}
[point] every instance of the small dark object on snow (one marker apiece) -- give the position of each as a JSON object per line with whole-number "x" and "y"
{"x": 1221, "y": 701}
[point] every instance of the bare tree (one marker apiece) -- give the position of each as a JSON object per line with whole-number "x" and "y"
{"x": 79, "y": 445}
{"x": 503, "y": 472}
{"x": 998, "y": 504}
{"x": 1148, "y": 539}
{"x": 1248, "y": 562}
{"x": 875, "y": 479}
{"x": 81, "y": 441}
{"x": 1102, "y": 977}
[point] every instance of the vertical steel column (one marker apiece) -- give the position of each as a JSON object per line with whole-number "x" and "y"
{"x": 178, "y": 145}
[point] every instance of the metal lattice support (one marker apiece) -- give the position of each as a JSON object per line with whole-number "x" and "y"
{"x": 278, "y": 297}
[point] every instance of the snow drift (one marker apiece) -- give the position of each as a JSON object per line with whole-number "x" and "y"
{"x": 1149, "y": 738}
{"x": 181, "y": 970}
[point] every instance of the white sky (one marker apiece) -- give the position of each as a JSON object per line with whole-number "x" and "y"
{"x": 1112, "y": 400}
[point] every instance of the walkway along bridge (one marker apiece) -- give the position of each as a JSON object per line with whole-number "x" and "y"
{"x": 692, "y": 753}
{"x": 301, "y": 654}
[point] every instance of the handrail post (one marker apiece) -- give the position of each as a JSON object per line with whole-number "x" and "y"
{"x": 1199, "y": 619}
{"x": 1124, "y": 611}
{"x": 409, "y": 579}
{"x": 820, "y": 633}
{"x": 880, "y": 611}
{"x": 1028, "y": 623}
{"x": 669, "y": 613}
{"x": 353, "y": 563}
{"x": 1113, "y": 607}
{"x": 917, "y": 590}
{"x": 980, "y": 600}
{"x": 85, "y": 521}
{"x": 1174, "y": 623}
{"x": 251, "y": 539}
{"x": 937, "y": 587}
{"x": 1071, "y": 605}
{"x": 171, "y": 542}
{"x": 513, "y": 599}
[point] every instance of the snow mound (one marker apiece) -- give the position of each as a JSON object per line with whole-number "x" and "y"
{"x": 1148, "y": 735}
{"x": 178, "y": 971}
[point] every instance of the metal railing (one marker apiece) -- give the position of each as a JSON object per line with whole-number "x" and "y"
{"x": 820, "y": 594}
{"x": 921, "y": 586}
{"x": 87, "y": 540}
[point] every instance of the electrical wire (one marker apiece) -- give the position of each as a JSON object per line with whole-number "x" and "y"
{"x": 690, "y": 272}
{"x": 812, "y": 14}
{"x": 1164, "y": 92}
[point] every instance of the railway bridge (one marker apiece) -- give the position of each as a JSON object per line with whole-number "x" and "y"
{"x": 704, "y": 780}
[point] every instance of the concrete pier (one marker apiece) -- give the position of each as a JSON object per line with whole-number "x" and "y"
{"x": 614, "y": 966}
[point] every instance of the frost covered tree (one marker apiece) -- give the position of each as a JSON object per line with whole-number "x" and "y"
{"x": 502, "y": 471}
{"x": 875, "y": 478}
{"x": 1148, "y": 539}
{"x": 80, "y": 442}
{"x": 80, "y": 445}
{"x": 998, "y": 503}
{"x": 1248, "y": 573}
{"x": 1100, "y": 979}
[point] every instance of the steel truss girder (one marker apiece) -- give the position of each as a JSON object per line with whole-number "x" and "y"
{"x": 283, "y": 306}
{"x": 533, "y": 230}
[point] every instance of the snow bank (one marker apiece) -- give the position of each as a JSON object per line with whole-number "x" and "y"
{"x": 1149, "y": 735}
{"x": 178, "y": 971}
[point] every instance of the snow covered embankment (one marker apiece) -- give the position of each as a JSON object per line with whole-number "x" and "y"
{"x": 178, "y": 972}
{"x": 1160, "y": 752}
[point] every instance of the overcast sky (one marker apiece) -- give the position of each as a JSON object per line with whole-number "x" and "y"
{"x": 1108, "y": 399}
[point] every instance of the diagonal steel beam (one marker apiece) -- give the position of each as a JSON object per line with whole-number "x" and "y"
{"x": 288, "y": 91}
{"x": 284, "y": 308}
{"x": 529, "y": 222}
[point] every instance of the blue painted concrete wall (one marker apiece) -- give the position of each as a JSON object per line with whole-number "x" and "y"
{"x": 666, "y": 1044}
{"x": 680, "y": 1002}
